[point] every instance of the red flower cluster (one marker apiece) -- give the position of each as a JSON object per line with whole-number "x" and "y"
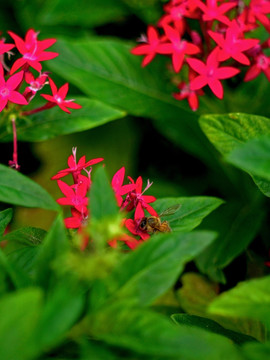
{"x": 11, "y": 82}
{"x": 130, "y": 198}
{"x": 226, "y": 27}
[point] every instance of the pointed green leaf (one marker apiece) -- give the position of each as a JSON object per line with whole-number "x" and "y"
{"x": 54, "y": 122}
{"x": 17, "y": 189}
{"x": 191, "y": 212}
{"x": 249, "y": 299}
{"x": 54, "y": 244}
{"x": 228, "y": 131}
{"x": 212, "y": 326}
{"x": 253, "y": 157}
{"x": 153, "y": 268}
{"x": 102, "y": 198}
{"x": 19, "y": 313}
{"x": 152, "y": 335}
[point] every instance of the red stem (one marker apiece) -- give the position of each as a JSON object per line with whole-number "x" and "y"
{"x": 14, "y": 162}
{"x": 49, "y": 105}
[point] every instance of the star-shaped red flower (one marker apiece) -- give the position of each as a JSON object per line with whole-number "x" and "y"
{"x": 211, "y": 11}
{"x": 76, "y": 197}
{"x": 8, "y": 89}
{"x": 32, "y": 50}
{"x": 233, "y": 44}
{"x": 177, "y": 47}
{"x": 149, "y": 48}
{"x": 118, "y": 187}
{"x": 58, "y": 97}
{"x": 210, "y": 73}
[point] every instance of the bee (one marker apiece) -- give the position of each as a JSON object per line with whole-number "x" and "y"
{"x": 153, "y": 224}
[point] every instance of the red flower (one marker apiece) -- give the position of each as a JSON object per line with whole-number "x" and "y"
{"x": 76, "y": 220}
{"x": 136, "y": 199}
{"x": 261, "y": 64}
{"x": 75, "y": 168}
{"x": 58, "y": 97}
{"x": 210, "y": 73}
{"x": 257, "y": 10}
{"x": 134, "y": 228}
{"x": 32, "y": 50}
{"x": 213, "y": 12}
{"x": 149, "y": 49}
{"x": 5, "y": 47}
{"x": 118, "y": 187}
{"x": 233, "y": 45}
{"x": 177, "y": 47}
{"x": 7, "y": 89}
{"x": 187, "y": 93}
{"x": 74, "y": 196}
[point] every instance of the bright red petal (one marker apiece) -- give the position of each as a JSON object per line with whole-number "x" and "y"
{"x": 15, "y": 80}
{"x": 17, "y": 98}
{"x": 216, "y": 86}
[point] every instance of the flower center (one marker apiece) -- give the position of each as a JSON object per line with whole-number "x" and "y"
{"x": 29, "y": 56}
{"x": 58, "y": 98}
{"x": 263, "y": 62}
{"x": 4, "y": 92}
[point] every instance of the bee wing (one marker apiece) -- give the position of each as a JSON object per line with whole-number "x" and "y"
{"x": 171, "y": 210}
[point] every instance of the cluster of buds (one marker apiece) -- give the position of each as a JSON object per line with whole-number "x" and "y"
{"x": 225, "y": 36}
{"x": 129, "y": 197}
{"x": 20, "y": 83}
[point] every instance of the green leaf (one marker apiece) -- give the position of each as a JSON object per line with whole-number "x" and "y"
{"x": 17, "y": 189}
{"x": 212, "y": 326}
{"x": 237, "y": 225}
{"x": 54, "y": 245}
{"x": 94, "y": 12}
{"x": 228, "y": 131}
{"x": 54, "y": 122}
{"x": 5, "y": 218}
{"x": 63, "y": 307}
{"x": 106, "y": 69}
{"x": 195, "y": 296}
{"x": 191, "y": 212}
{"x": 256, "y": 351}
{"x": 153, "y": 268}
{"x": 148, "y": 333}
{"x": 253, "y": 157}
{"x": 249, "y": 299}
{"x": 19, "y": 313}
{"x": 103, "y": 202}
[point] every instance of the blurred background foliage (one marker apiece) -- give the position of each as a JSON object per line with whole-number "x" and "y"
{"x": 159, "y": 138}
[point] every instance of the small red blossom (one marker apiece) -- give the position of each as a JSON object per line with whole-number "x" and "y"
{"x": 75, "y": 197}
{"x": 134, "y": 228}
{"x": 136, "y": 199}
{"x": 261, "y": 64}
{"x": 187, "y": 93}
{"x": 210, "y": 73}
{"x": 211, "y": 11}
{"x": 32, "y": 50}
{"x": 233, "y": 44}
{"x": 257, "y": 10}
{"x": 75, "y": 168}
{"x": 149, "y": 48}
{"x": 177, "y": 47}
{"x": 8, "y": 89}
{"x": 118, "y": 187}
{"x": 76, "y": 220}
{"x": 58, "y": 97}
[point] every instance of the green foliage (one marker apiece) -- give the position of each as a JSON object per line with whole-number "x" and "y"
{"x": 49, "y": 124}
{"x": 20, "y": 190}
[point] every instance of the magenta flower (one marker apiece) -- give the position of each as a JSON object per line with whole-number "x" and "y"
{"x": 76, "y": 220}
{"x": 36, "y": 84}
{"x": 149, "y": 48}
{"x": 134, "y": 228}
{"x": 136, "y": 199}
{"x": 75, "y": 197}
{"x": 233, "y": 45}
{"x": 8, "y": 89}
{"x": 177, "y": 47}
{"x": 211, "y": 11}
{"x": 32, "y": 50}
{"x": 187, "y": 93}
{"x": 58, "y": 97}
{"x": 210, "y": 73}
{"x": 75, "y": 168}
{"x": 257, "y": 10}
{"x": 119, "y": 188}
{"x": 261, "y": 64}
